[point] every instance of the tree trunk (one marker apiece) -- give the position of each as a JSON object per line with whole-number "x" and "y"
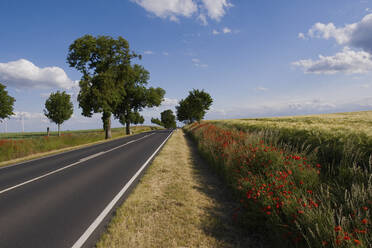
{"x": 127, "y": 127}
{"x": 59, "y": 132}
{"x": 106, "y": 118}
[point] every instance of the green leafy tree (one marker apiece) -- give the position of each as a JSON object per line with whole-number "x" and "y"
{"x": 137, "y": 96}
{"x": 134, "y": 118}
{"x": 168, "y": 119}
{"x": 104, "y": 63}
{"x": 6, "y": 103}
{"x": 58, "y": 108}
{"x": 194, "y": 106}
{"x": 156, "y": 121}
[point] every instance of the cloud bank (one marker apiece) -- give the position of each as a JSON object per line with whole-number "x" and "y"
{"x": 173, "y": 9}
{"x": 357, "y": 35}
{"x": 24, "y": 74}
{"x": 347, "y": 61}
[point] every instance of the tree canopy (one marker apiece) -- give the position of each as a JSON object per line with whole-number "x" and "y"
{"x": 168, "y": 119}
{"x": 194, "y": 106}
{"x": 6, "y": 103}
{"x": 58, "y": 108}
{"x": 104, "y": 63}
{"x": 137, "y": 96}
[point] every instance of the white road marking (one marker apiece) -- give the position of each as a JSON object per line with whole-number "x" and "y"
{"x": 73, "y": 164}
{"x": 91, "y": 156}
{"x": 80, "y": 242}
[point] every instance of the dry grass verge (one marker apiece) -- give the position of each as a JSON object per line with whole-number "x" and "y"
{"x": 178, "y": 203}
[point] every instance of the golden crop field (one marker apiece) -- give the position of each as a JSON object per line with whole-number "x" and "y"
{"x": 355, "y": 122}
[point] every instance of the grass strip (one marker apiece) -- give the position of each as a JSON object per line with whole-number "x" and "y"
{"x": 16, "y": 151}
{"x": 178, "y": 203}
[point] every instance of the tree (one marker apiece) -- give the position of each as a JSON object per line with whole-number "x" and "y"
{"x": 134, "y": 118}
{"x": 104, "y": 63}
{"x": 136, "y": 96}
{"x": 6, "y": 103}
{"x": 156, "y": 121}
{"x": 58, "y": 108}
{"x": 194, "y": 106}
{"x": 168, "y": 120}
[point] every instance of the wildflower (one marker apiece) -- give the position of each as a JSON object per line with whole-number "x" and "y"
{"x": 365, "y": 208}
{"x": 364, "y": 221}
{"x": 357, "y": 242}
{"x": 324, "y": 243}
{"x": 338, "y": 228}
{"x": 346, "y": 238}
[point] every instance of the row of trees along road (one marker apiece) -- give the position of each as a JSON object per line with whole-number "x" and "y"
{"x": 110, "y": 84}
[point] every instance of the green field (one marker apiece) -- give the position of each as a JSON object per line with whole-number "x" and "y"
{"x": 335, "y": 139}
{"x": 19, "y": 145}
{"x": 305, "y": 179}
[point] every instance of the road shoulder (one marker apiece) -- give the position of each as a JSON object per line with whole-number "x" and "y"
{"x": 178, "y": 203}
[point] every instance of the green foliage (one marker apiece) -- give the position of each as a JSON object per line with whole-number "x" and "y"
{"x": 6, "y": 103}
{"x": 194, "y": 106}
{"x": 137, "y": 96}
{"x": 104, "y": 63}
{"x": 58, "y": 107}
{"x": 156, "y": 121}
{"x": 168, "y": 119}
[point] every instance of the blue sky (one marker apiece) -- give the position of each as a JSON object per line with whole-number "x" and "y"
{"x": 256, "y": 58}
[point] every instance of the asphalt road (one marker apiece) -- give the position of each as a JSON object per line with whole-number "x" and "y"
{"x": 66, "y": 200}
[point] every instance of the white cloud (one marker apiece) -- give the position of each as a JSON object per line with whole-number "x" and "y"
{"x": 148, "y": 52}
{"x": 169, "y": 8}
{"x": 262, "y": 89}
{"x": 172, "y": 9}
{"x": 174, "y": 19}
{"x": 226, "y": 30}
{"x": 347, "y": 61}
{"x": 24, "y": 74}
{"x": 165, "y": 53}
{"x": 169, "y": 102}
{"x": 203, "y": 19}
{"x": 216, "y": 8}
{"x": 358, "y": 34}
{"x": 198, "y": 63}
{"x": 301, "y": 36}
{"x": 365, "y": 86}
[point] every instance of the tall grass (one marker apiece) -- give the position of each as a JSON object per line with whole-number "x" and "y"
{"x": 21, "y": 147}
{"x": 283, "y": 188}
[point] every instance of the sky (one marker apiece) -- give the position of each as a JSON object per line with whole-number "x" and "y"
{"x": 256, "y": 58}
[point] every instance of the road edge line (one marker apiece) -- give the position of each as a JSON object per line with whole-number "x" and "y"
{"x": 83, "y": 238}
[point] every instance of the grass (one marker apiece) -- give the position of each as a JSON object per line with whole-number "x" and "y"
{"x": 178, "y": 203}
{"x": 337, "y": 140}
{"x": 33, "y": 145}
{"x": 300, "y": 194}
